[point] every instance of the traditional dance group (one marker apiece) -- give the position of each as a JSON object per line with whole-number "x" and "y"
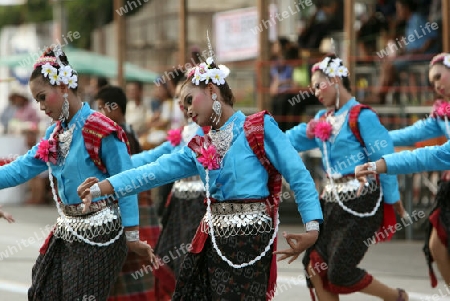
{"x": 219, "y": 232}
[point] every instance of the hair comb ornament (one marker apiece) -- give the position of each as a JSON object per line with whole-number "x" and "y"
{"x": 209, "y": 71}
{"x": 56, "y": 71}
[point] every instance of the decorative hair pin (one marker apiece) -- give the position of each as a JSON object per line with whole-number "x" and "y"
{"x": 207, "y": 71}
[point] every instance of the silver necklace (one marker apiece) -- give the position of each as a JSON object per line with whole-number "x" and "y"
{"x": 222, "y": 139}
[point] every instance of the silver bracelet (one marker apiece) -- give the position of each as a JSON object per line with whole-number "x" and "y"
{"x": 372, "y": 166}
{"x": 95, "y": 191}
{"x": 312, "y": 226}
{"x": 132, "y": 235}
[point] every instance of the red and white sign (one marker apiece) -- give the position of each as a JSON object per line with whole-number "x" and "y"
{"x": 234, "y": 35}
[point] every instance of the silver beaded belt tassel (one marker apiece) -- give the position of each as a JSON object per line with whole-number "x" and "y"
{"x": 231, "y": 219}
{"x": 102, "y": 222}
{"x": 347, "y": 190}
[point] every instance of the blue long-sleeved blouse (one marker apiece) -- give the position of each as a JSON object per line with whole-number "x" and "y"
{"x": 241, "y": 175}
{"x": 422, "y": 159}
{"x": 421, "y": 130}
{"x": 77, "y": 167}
{"x": 345, "y": 152}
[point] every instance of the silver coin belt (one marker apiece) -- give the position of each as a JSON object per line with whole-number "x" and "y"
{"x": 347, "y": 188}
{"x": 90, "y": 225}
{"x": 188, "y": 189}
{"x": 231, "y": 219}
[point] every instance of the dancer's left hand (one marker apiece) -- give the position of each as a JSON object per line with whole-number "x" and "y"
{"x": 298, "y": 244}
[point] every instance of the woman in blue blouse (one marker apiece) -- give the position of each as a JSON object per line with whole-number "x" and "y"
{"x": 238, "y": 162}
{"x": 436, "y": 125}
{"x": 86, "y": 248}
{"x": 348, "y": 134}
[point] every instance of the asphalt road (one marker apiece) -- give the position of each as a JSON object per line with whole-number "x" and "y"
{"x": 397, "y": 263}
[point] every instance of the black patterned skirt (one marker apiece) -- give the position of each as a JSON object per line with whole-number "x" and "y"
{"x": 439, "y": 219}
{"x": 76, "y": 270}
{"x": 206, "y": 277}
{"x": 181, "y": 218}
{"x": 343, "y": 241}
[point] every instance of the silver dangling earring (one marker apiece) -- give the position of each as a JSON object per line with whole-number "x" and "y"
{"x": 65, "y": 108}
{"x": 337, "y": 95}
{"x": 217, "y": 108}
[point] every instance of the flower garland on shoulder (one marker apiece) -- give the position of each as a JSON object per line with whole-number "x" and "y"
{"x": 441, "y": 109}
{"x": 205, "y": 151}
{"x": 48, "y": 149}
{"x": 319, "y": 128}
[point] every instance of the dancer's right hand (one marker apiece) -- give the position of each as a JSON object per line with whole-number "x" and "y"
{"x": 298, "y": 244}
{"x": 7, "y": 216}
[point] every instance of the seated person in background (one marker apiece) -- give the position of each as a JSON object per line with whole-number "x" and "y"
{"x": 137, "y": 112}
{"x": 281, "y": 82}
{"x": 418, "y": 40}
{"x": 8, "y": 113}
{"x": 329, "y": 17}
{"x": 370, "y": 31}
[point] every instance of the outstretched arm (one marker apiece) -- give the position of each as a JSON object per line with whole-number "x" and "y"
{"x": 166, "y": 169}
{"x": 299, "y": 138}
{"x": 419, "y": 131}
{"x": 151, "y": 155}
{"x": 422, "y": 159}
{"x": 22, "y": 169}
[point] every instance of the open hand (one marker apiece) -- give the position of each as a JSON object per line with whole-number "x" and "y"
{"x": 298, "y": 244}
{"x": 6, "y": 216}
{"x": 142, "y": 248}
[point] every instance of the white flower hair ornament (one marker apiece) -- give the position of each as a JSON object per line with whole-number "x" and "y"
{"x": 208, "y": 71}
{"x": 447, "y": 61}
{"x": 331, "y": 67}
{"x": 65, "y": 74}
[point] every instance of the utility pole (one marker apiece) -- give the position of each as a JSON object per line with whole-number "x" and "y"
{"x": 263, "y": 57}
{"x": 350, "y": 37}
{"x": 446, "y": 25}
{"x": 120, "y": 23}
{"x": 183, "y": 32}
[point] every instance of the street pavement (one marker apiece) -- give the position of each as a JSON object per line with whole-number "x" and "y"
{"x": 397, "y": 263}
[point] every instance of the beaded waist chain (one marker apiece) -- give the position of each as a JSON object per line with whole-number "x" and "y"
{"x": 347, "y": 188}
{"x": 188, "y": 189}
{"x": 73, "y": 225}
{"x": 231, "y": 219}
